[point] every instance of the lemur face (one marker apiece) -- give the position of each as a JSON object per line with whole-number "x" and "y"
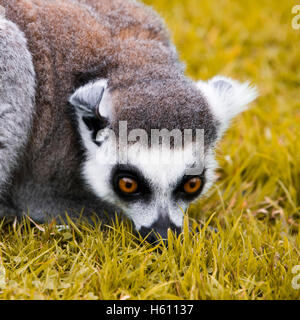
{"x": 153, "y": 194}
{"x": 152, "y": 184}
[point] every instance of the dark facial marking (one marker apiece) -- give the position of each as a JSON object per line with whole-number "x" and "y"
{"x": 143, "y": 191}
{"x": 180, "y": 193}
{"x": 94, "y": 125}
{"x": 2, "y": 145}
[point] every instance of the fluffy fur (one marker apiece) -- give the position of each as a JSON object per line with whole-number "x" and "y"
{"x": 96, "y": 63}
{"x": 227, "y": 98}
{"x": 17, "y": 90}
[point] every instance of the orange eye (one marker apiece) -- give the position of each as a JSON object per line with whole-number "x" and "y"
{"x": 128, "y": 185}
{"x": 192, "y": 185}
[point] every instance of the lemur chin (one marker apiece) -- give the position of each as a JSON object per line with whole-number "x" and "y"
{"x": 72, "y": 71}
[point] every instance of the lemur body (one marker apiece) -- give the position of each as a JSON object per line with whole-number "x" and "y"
{"x": 88, "y": 65}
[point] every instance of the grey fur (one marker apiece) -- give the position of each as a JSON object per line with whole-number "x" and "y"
{"x": 17, "y": 91}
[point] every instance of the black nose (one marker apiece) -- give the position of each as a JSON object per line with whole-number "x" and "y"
{"x": 159, "y": 229}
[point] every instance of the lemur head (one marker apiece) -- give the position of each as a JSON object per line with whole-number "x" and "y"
{"x": 143, "y": 151}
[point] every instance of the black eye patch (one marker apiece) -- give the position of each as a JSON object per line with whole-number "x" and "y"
{"x": 94, "y": 125}
{"x": 180, "y": 192}
{"x": 143, "y": 191}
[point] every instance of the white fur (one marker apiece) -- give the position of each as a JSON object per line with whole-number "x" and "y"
{"x": 227, "y": 98}
{"x": 90, "y": 94}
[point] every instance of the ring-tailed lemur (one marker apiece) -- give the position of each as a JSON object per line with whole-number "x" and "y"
{"x": 72, "y": 71}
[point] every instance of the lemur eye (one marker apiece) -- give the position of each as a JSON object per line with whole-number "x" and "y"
{"x": 193, "y": 185}
{"x": 127, "y": 185}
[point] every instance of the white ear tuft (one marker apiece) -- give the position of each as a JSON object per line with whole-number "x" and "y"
{"x": 93, "y": 99}
{"x": 94, "y": 111}
{"x": 227, "y": 98}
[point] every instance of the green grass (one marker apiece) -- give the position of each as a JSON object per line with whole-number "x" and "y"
{"x": 255, "y": 204}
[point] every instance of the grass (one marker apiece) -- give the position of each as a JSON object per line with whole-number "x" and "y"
{"x": 255, "y": 204}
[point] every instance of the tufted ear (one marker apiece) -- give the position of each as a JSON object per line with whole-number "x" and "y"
{"x": 92, "y": 99}
{"x": 93, "y": 108}
{"x": 227, "y": 98}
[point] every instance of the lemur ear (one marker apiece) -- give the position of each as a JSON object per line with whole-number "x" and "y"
{"x": 93, "y": 108}
{"x": 227, "y": 98}
{"x": 93, "y": 100}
